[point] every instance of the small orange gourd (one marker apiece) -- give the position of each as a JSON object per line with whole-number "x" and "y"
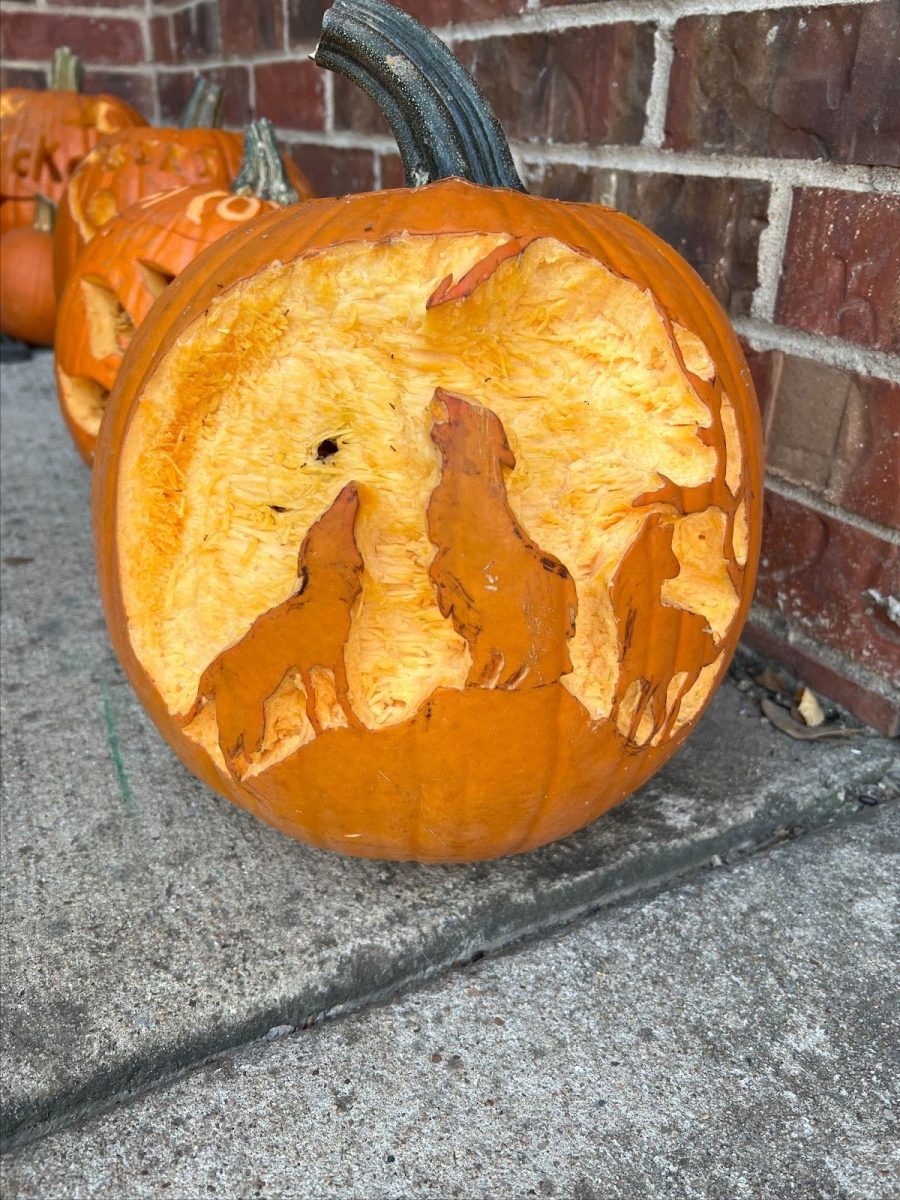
{"x": 426, "y": 521}
{"x": 130, "y": 262}
{"x": 27, "y": 296}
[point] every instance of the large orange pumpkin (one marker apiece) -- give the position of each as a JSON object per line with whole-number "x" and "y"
{"x": 45, "y": 135}
{"x": 132, "y": 260}
{"x": 426, "y": 521}
{"x": 137, "y": 163}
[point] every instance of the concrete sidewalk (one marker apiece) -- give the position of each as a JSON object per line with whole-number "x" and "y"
{"x": 732, "y": 1039}
{"x": 149, "y": 925}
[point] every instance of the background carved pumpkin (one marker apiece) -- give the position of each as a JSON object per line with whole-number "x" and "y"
{"x": 139, "y": 163}
{"x": 426, "y": 521}
{"x": 132, "y": 260}
{"x": 45, "y": 135}
{"x": 27, "y": 296}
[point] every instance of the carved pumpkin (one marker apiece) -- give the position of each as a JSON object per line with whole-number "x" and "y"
{"x": 45, "y": 135}
{"x": 27, "y": 298}
{"x": 141, "y": 162}
{"x": 132, "y": 260}
{"x": 426, "y": 521}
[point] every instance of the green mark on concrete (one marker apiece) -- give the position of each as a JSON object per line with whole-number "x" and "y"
{"x": 115, "y": 750}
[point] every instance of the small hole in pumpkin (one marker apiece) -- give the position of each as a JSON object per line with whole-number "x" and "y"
{"x": 326, "y": 449}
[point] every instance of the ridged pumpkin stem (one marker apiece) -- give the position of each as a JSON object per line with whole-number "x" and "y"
{"x": 44, "y": 214}
{"x": 66, "y": 71}
{"x": 204, "y": 107}
{"x": 443, "y": 124}
{"x": 262, "y": 170}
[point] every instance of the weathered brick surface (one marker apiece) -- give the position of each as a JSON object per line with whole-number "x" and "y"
{"x": 876, "y": 702}
{"x": 578, "y": 85}
{"x": 27, "y": 77}
{"x": 250, "y": 28}
{"x": 714, "y": 223}
{"x": 799, "y": 82}
{"x": 291, "y": 94}
{"x": 137, "y": 89}
{"x": 842, "y": 267}
{"x": 161, "y": 39}
{"x": 445, "y": 12}
{"x": 825, "y": 576}
{"x": 101, "y": 39}
{"x": 336, "y": 172}
{"x": 175, "y": 86}
{"x": 833, "y": 432}
{"x": 304, "y": 19}
{"x": 197, "y": 32}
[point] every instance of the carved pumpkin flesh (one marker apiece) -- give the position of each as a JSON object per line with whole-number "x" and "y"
{"x": 427, "y": 521}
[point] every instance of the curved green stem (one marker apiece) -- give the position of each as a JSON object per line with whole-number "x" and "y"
{"x": 66, "y": 71}
{"x": 262, "y": 170}
{"x": 204, "y": 107}
{"x": 443, "y": 124}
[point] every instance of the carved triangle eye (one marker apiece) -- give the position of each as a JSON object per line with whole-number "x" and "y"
{"x": 110, "y": 328}
{"x": 155, "y": 278}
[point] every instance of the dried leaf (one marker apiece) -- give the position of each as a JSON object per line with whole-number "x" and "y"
{"x": 810, "y": 708}
{"x": 774, "y": 679}
{"x": 783, "y": 721}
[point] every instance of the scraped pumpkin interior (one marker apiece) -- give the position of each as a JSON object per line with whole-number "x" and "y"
{"x": 322, "y": 371}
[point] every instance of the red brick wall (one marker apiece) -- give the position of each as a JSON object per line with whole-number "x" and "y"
{"x": 762, "y": 142}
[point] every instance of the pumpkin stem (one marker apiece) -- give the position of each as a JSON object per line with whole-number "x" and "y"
{"x": 443, "y": 124}
{"x": 262, "y": 171}
{"x": 66, "y": 71}
{"x": 44, "y": 214}
{"x": 204, "y": 107}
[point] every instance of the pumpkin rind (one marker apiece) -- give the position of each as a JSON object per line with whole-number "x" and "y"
{"x": 44, "y": 135}
{"x": 27, "y": 296}
{"x": 426, "y": 521}
{"x": 125, "y": 267}
{"x": 137, "y": 164}
{"x": 356, "y": 810}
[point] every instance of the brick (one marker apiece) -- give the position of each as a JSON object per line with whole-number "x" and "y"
{"x": 714, "y": 223}
{"x": 175, "y": 86}
{"x": 392, "y": 173}
{"x": 763, "y": 365}
{"x": 577, "y": 85}
{"x": 94, "y": 3}
{"x": 876, "y": 703}
{"x": 161, "y": 39}
{"x": 305, "y": 20}
{"x": 842, "y": 267}
{"x": 250, "y": 28}
{"x": 354, "y": 110}
{"x": 100, "y": 39}
{"x": 334, "y": 172}
{"x": 138, "y": 89}
{"x": 824, "y": 575}
{"x": 445, "y": 12}
{"x": 12, "y": 76}
{"x": 291, "y": 94}
{"x": 792, "y": 83}
{"x": 837, "y": 434}
{"x": 197, "y": 32}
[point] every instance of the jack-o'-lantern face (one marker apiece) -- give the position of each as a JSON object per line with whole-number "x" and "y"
{"x": 44, "y": 135}
{"x": 426, "y": 520}
{"x": 115, "y": 282}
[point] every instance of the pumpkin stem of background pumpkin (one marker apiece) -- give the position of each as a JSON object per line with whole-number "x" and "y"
{"x": 204, "y": 107}
{"x": 44, "y": 214}
{"x": 66, "y": 71}
{"x": 443, "y": 124}
{"x": 262, "y": 170}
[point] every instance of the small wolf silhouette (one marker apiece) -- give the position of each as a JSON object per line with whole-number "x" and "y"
{"x": 672, "y": 639}
{"x": 309, "y": 629}
{"x": 514, "y": 603}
